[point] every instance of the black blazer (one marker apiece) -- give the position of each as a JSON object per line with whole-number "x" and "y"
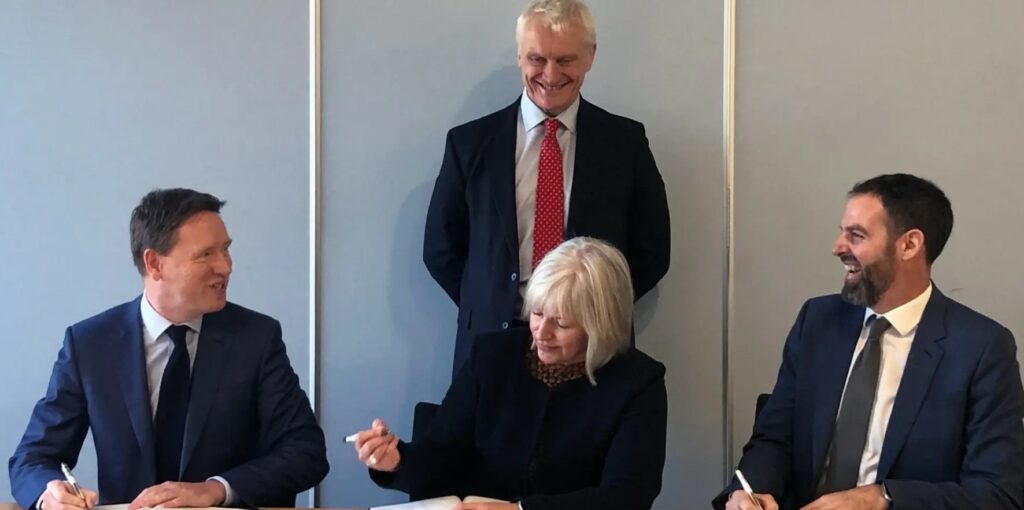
{"x": 471, "y": 241}
{"x": 954, "y": 439}
{"x": 502, "y": 433}
{"x": 248, "y": 419}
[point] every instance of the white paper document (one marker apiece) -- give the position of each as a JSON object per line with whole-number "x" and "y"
{"x": 445, "y": 503}
{"x": 125, "y": 507}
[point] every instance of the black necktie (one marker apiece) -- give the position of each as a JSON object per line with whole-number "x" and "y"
{"x": 172, "y": 408}
{"x": 851, "y": 428}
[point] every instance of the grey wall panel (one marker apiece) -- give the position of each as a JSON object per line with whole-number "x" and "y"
{"x": 101, "y": 102}
{"x": 396, "y": 76}
{"x": 832, "y": 92}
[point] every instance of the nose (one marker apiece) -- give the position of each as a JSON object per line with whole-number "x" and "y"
{"x": 839, "y": 247}
{"x": 545, "y": 328}
{"x": 550, "y": 72}
{"x": 223, "y": 265}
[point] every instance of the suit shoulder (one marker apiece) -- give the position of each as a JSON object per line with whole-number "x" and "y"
{"x": 634, "y": 368}
{"x": 483, "y": 126}
{"x": 241, "y": 313}
{"x": 612, "y": 120}
{"x": 962, "y": 320}
{"x": 644, "y": 362}
{"x": 111, "y": 317}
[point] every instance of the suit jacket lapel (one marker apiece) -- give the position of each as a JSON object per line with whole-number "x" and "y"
{"x": 925, "y": 354}
{"x": 588, "y": 146}
{"x": 211, "y": 358}
{"x": 499, "y": 160}
{"x": 832, "y": 368}
{"x": 130, "y": 366}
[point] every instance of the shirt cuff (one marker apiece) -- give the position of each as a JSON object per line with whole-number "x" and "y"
{"x": 229, "y": 497}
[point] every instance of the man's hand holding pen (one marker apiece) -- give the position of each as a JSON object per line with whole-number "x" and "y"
{"x": 61, "y": 495}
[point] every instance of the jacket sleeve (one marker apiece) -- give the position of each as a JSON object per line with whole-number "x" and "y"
{"x": 55, "y": 432}
{"x": 446, "y": 236}
{"x": 767, "y": 457}
{"x": 650, "y": 236}
{"x": 631, "y": 478}
{"x": 992, "y": 476}
{"x": 438, "y": 462}
{"x": 293, "y": 455}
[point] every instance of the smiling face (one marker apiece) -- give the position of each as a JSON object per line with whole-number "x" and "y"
{"x": 559, "y": 340}
{"x": 191, "y": 279}
{"x": 866, "y": 251}
{"x": 554, "y": 64}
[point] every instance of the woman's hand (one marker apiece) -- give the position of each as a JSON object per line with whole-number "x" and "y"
{"x": 377, "y": 447}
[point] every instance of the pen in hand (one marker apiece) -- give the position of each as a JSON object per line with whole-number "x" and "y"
{"x": 74, "y": 482}
{"x": 381, "y": 430}
{"x": 748, "y": 490}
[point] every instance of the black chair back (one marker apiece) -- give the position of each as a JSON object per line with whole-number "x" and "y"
{"x": 762, "y": 399}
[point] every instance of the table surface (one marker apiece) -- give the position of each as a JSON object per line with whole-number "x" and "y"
{"x": 14, "y": 506}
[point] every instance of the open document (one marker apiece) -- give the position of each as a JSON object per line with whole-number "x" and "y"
{"x": 445, "y": 503}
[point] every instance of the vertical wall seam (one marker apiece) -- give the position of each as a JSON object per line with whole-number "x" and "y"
{"x": 728, "y": 159}
{"x": 314, "y": 219}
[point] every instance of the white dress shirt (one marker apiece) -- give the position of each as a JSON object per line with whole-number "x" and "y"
{"x": 529, "y": 137}
{"x": 895, "y": 343}
{"x": 158, "y": 347}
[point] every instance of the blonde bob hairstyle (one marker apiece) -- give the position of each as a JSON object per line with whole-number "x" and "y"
{"x": 557, "y": 15}
{"x": 586, "y": 280}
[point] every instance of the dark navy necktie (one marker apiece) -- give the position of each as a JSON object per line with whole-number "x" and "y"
{"x": 854, "y": 420}
{"x": 172, "y": 408}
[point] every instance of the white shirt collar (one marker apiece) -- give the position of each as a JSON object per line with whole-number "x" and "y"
{"x": 906, "y": 317}
{"x": 534, "y": 116}
{"x": 156, "y": 324}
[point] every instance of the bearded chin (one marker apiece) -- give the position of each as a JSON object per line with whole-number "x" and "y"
{"x": 867, "y": 291}
{"x": 855, "y": 293}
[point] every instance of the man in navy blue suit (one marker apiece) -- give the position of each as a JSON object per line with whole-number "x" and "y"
{"x": 551, "y": 166}
{"x": 890, "y": 394}
{"x": 191, "y": 400}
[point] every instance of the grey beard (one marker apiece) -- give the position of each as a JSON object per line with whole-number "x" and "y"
{"x": 865, "y": 293}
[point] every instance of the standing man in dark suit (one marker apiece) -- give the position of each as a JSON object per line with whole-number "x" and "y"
{"x": 191, "y": 400}
{"x": 549, "y": 167}
{"x": 890, "y": 395}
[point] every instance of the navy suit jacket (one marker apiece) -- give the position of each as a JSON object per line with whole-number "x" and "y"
{"x": 248, "y": 420}
{"x": 471, "y": 241}
{"x": 502, "y": 433}
{"x": 955, "y": 439}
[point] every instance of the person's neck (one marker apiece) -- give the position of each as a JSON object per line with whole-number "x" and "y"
{"x": 159, "y": 302}
{"x": 902, "y": 291}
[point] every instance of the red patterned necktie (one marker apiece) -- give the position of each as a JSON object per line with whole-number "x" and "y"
{"x": 550, "y": 213}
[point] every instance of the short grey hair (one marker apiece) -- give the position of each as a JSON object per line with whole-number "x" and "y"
{"x": 557, "y": 15}
{"x": 587, "y": 280}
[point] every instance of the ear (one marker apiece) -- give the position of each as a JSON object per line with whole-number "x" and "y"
{"x": 590, "y": 58}
{"x": 911, "y": 245}
{"x": 154, "y": 264}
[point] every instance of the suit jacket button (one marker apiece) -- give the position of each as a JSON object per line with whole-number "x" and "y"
{"x": 504, "y": 325}
{"x": 514, "y": 276}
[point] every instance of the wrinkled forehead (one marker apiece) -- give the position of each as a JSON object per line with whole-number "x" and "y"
{"x": 538, "y": 35}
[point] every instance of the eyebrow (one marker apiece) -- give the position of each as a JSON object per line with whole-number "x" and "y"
{"x": 856, "y": 227}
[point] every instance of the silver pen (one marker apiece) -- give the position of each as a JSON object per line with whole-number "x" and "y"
{"x": 73, "y": 481}
{"x": 748, "y": 490}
